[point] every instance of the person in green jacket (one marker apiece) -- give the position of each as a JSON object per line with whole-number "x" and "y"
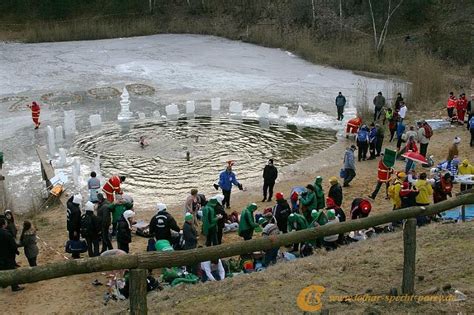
{"x": 319, "y": 218}
{"x": 308, "y": 202}
{"x": 117, "y": 208}
{"x": 319, "y": 191}
{"x": 247, "y": 222}
{"x": 209, "y": 222}
{"x": 297, "y": 222}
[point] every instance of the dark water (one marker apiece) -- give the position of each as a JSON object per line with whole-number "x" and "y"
{"x": 160, "y": 171}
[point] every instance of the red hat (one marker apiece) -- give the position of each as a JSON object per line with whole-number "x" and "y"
{"x": 365, "y": 206}
{"x": 267, "y": 210}
{"x": 279, "y": 196}
{"x": 330, "y": 203}
{"x": 34, "y": 103}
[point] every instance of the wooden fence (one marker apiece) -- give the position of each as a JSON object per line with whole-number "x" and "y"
{"x": 139, "y": 263}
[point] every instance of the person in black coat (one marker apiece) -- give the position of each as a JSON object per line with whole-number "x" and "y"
{"x": 222, "y": 219}
{"x": 74, "y": 219}
{"x": 270, "y": 174}
{"x": 124, "y": 230}
{"x": 281, "y": 212}
{"x": 91, "y": 228}
{"x": 103, "y": 213}
{"x": 162, "y": 223}
{"x": 11, "y": 226}
{"x": 8, "y": 250}
{"x": 335, "y": 192}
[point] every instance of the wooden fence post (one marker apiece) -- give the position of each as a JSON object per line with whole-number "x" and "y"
{"x": 138, "y": 291}
{"x": 409, "y": 257}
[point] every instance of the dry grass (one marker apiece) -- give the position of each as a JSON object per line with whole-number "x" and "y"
{"x": 370, "y": 267}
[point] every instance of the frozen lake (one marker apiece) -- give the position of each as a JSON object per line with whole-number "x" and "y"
{"x": 88, "y": 76}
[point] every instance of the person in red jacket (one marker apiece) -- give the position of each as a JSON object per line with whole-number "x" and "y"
{"x": 383, "y": 177}
{"x": 353, "y": 126}
{"x": 35, "y": 113}
{"x": 461, "y": 106}
{"x": 113, "y": 186}
{"x": 452, "y": 101}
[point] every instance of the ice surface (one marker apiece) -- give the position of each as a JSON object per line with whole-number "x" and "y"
{"x": 282, "y": 111}
{"x": 51, "y": 141}
{"x": 172, "y": 110}
{"x": 216, "y": 104}
{"x": 263, "y": 110}
{"x": 96, "y": 167}
{"x": 95, "y": 120}
{"x": 235, "y": 107}
{"x": 301, "y": 113}
{"x": 59, "y": 134}
{"x": 190, "y": 107}
{"x": 69, "y": 122}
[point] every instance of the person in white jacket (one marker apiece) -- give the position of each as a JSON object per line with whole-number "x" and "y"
{"x": 212, "y": 270}
{"x": 403, "y": 111}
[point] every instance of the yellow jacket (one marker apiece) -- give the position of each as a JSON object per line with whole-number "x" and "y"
{"x": 394, "y": 193}
{"x": 465, "y": 170}
{"x": 425, "y": 191}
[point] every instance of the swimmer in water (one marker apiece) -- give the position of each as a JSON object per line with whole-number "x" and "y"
{"x": 143, "y": 143}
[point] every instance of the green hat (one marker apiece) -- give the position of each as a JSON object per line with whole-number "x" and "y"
{"x": 315, "y": 214}
{"x": 331, "y": 214}
{"x": 163, "y": 246}
{"x": 188, "y": 216}
{"x": 262, "y": 220}
{"x": 252, "y": 207}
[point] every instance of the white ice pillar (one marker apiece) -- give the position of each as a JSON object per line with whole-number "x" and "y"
{"x": 95, "y": 120}
{"x": 190, "y": 107}
{"x": 216, "y": 104}
{"x": 69, "y": 122}
{"x": 51, "y": 141}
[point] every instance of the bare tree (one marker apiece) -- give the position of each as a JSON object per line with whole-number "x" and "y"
{"x": 379, "y": 39}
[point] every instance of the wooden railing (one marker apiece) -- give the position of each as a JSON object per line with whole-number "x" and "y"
{"x": 138, "y": 263}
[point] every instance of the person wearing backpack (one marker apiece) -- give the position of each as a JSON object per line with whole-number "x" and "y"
{"x": 90, "y": 229}
{"x": 424, "y": 134}
{"x": 362, "y": 143}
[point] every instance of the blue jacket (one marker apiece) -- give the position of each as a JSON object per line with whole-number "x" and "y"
{"x": 349, "y": 161}
{"x": 363, "y": 135}
{"x": 471, "y": 123}
{"x": 226, "y": 179}
{"x": 373, "y": 135}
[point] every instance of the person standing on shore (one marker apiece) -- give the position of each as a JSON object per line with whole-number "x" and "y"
{"x": 335, "y": 191}
{"x": 113, "y": 186}
{"x": 353, "y": 126}
{"x": 362, "y": 143}
{"x": 471, "y": 130}
{"x": 399, "y": 99}
{"x": 424, "y": 135}
{"x": 349, "y": 165}
{"x": 227, "y": 178}
{"x": 461, "y": 107}
{"x": 383, "y": 177}
{"x": 8, "y": 251}
{"x": 35, "y": 113}
{"x": 74, "y": 219}
{"x": 270, "y": 174}
{"x": 103, "y": 213}
{"x": 93, "y": 184}
{"x": 340, "y": 103}
{"x": 451, "y": 105}
{"x": 380, "y": 135}
{"x": 379, "y": 103}
{"x": 402, "y": 112}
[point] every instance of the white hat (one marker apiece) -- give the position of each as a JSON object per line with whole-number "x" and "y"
{"x": 160, "y": 207}
{"x": 457, "y": 140}
{"x": 77, "y": 199}
{"x": 128, "y": 214}
{"x": 219, "y": 198}
{"x": 89, "y": 206}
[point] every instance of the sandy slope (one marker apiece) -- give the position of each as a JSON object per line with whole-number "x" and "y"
{"x": 76, "y": 294}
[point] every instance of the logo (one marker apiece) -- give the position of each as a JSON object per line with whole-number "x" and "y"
{"x": 309, "y": 298}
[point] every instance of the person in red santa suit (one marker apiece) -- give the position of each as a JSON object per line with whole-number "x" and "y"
{"x": 113, "y": 186}
{"x": 35, "y": 113}
{"x": 353, "y": 126}
{"x": 461, "y": 106}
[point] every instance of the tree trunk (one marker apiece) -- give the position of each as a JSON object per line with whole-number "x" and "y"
{"x": 409, "y": 257}
{"x": 138, "y": 291}
{"x": 154, "y": 260}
